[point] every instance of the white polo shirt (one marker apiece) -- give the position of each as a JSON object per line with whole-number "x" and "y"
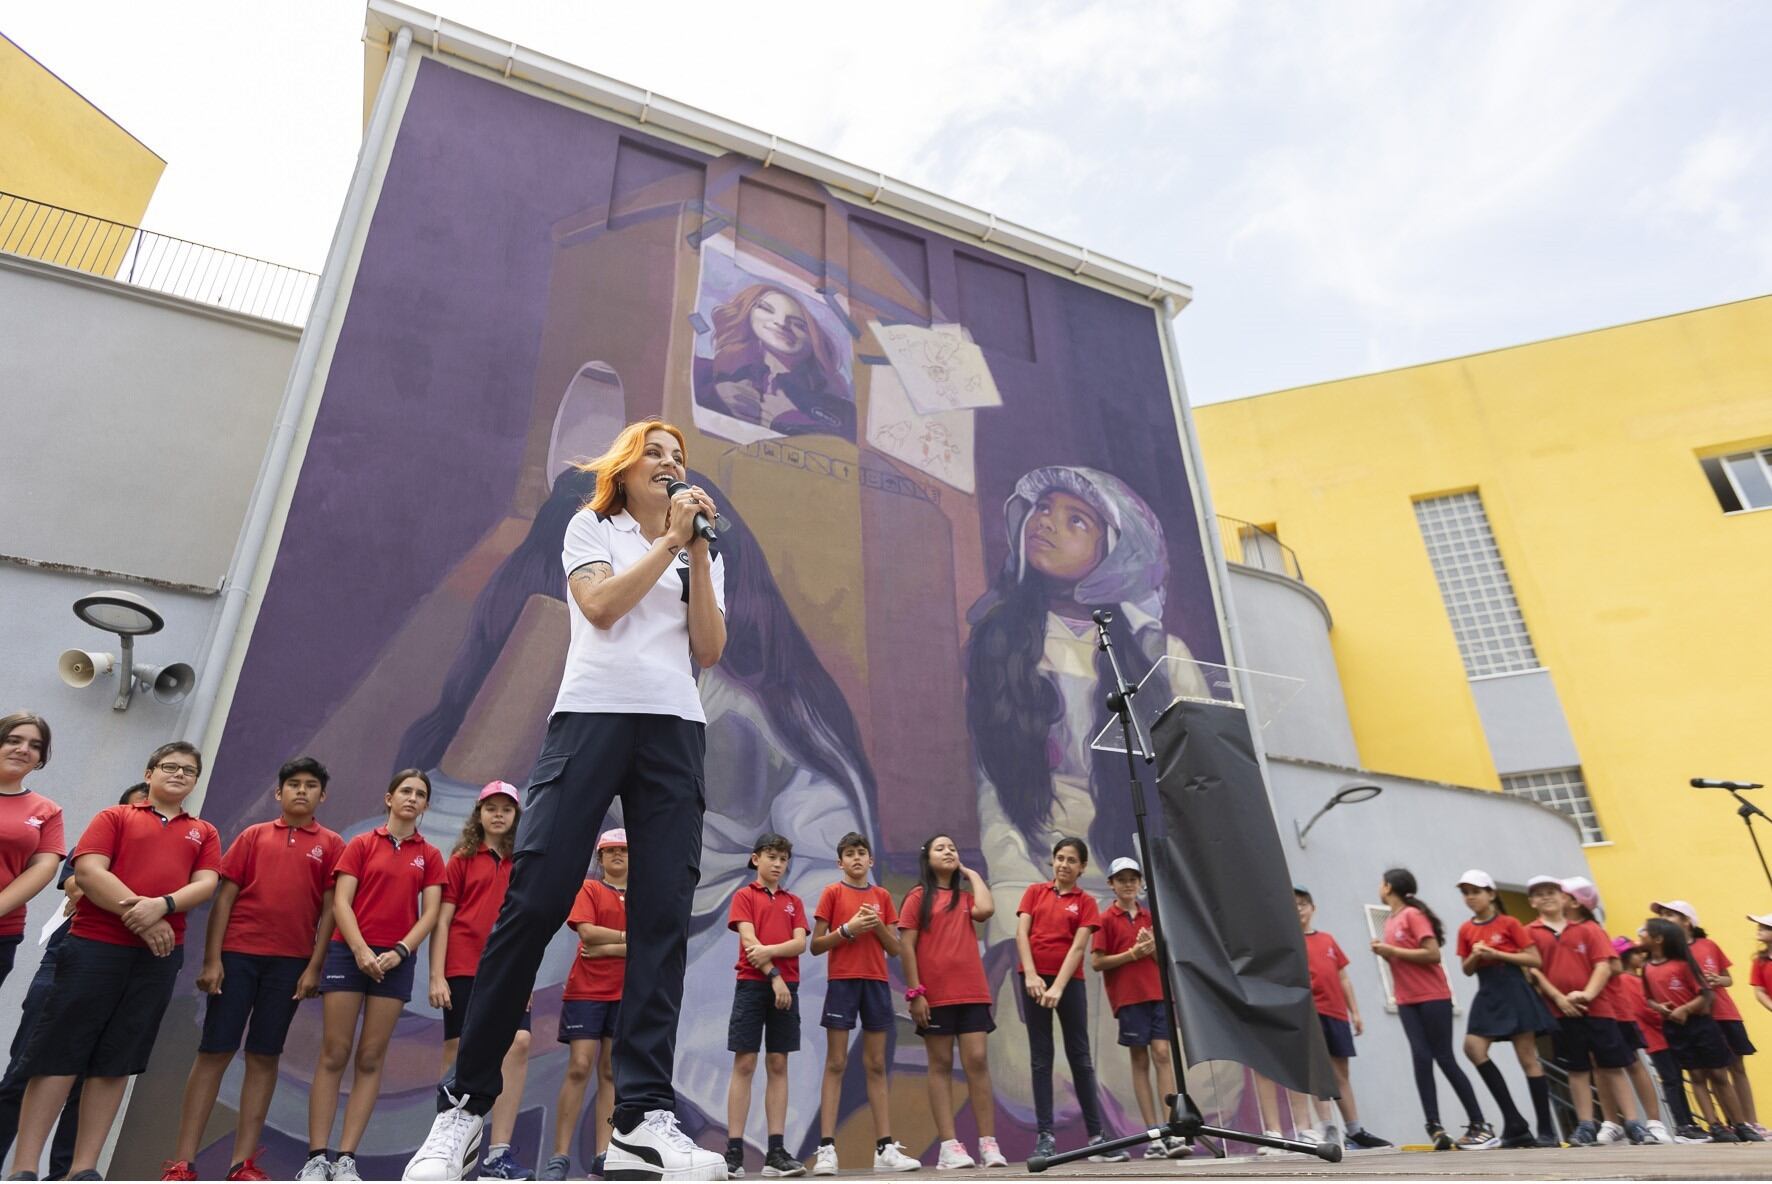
{"x": 640, "y": 665}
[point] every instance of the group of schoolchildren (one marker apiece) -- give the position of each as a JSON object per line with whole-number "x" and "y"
{"x": 1602, "y": 1001}
{"x": 297, "y": 911}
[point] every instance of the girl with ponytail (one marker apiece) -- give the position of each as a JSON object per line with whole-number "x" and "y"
{"x": 1413, "y": 936}
{"x": 1677, "y": 990}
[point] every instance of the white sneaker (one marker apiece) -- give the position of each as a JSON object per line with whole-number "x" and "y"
{"x": 989, "y": 1154}
{"x": 1271, "y": 1150}
{"x": 825, "y": 1162}
{"x": 657, "y": 1149}
{"x": 450, "y": 1149}
{"x": 345, "y": 1168}
{"x": 1658, "y": 1132}
{"x": 1611, "y": 1132}
{"x": 893, "y": 1159}
{"x": 315, "y": 1169}
{"x": 1157, "y": 1149}
{"x": 953, "y": 1155}
{"x": 1178, "y": 1147}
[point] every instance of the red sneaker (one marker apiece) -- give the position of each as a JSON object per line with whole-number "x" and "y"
{"x": 178, "y": 1169}
{"x": 247, "y": 1169}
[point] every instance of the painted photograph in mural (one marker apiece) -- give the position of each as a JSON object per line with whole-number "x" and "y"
{"x": 771, "y": 358}
{"x": 909, "y": 649}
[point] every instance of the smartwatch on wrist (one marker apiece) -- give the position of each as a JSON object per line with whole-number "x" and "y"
{"x": 171, "y": 904}
{"x": 772, "y": 972}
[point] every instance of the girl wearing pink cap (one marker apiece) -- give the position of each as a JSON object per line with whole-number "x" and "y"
{"x": 1715, "y": 964}
{"x": 474, "y": 884}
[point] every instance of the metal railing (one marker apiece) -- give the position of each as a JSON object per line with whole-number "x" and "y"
{"x": 158, "y": 262}
{"x": 1255, "y": 546}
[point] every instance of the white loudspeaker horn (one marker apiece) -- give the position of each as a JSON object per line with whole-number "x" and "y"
{"x": 78, "y": 667}
{"x": 168, "y": 684}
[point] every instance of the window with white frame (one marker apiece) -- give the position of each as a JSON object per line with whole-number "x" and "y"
{"x": 1741, "y": 480}
{"x": 1479, "y": 597}
{"x": 1563, "y": 790}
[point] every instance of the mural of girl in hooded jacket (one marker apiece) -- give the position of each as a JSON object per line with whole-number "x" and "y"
{"x": 1079, "y": 540}
{"x": 775, "y": 366}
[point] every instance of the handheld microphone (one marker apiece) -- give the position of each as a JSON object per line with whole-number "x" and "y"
{"x": 1707, "y": 783}
{"x": 703, "y": 528}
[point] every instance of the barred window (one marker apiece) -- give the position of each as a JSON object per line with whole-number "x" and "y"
{"x": 1474, "y": 585}
{"x": 1563, "y": 790}
{"x": 1742, "y": 480}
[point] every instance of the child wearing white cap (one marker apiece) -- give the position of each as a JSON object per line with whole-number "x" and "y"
{"x": 1124, "y": 954}
{"x": 1497, "y": 949}
{"x": 1715, "y": 964}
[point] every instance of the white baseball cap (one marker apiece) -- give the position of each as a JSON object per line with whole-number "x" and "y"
{"x": 1477, "y": 878}
{"x": 1676, "y": 906}
{"x": 1124, "y": 864}
{"x": 1554, "y": 881}
{"x": 1765, "y": 920}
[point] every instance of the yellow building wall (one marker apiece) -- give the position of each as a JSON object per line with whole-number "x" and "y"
{"x": 62, "y": 151}
{"x": 1651, "y": 609}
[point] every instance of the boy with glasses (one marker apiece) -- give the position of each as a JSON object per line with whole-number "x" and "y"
{"x": 141, "y": 869}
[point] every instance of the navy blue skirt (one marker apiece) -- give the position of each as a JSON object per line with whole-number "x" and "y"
{"x": 1507, "y": 1005}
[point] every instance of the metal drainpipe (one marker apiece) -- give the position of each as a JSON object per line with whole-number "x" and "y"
{"x": 238, "y": 585}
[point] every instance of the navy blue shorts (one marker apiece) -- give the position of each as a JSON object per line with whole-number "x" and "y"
{"x": 257, "y": 1001}
{"x": 8, "y": 949}
{"x": 757, "y": 1020}
{"x": 340, "y": 973}
{"x": 588, "y": 1019}
{"x": 101, "y": 1018}
{"x": 957, "y": 1019}
{"x": 1585, "y": 1041}
{"x": 1338, "y": 1035}
{"x": 846, "y": 998}
{"x": 1633, "y": 1034}
{"x": 461, "y": 989}
{"x": 1698, "y": 1043}
{"x": 1141, "y": 1024}
{"x": 1735, "y": 1033}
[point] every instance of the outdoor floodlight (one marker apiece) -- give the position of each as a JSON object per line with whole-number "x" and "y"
{"x": 1346, "y": 795}
{"x": 128, "y": 616}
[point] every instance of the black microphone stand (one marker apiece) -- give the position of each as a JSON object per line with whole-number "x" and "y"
{"x": 1747, "y": 810}
{"x": 1185, "y": 1120}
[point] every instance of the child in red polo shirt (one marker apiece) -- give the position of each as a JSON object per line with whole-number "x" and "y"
{"x": 590, "y": 1004}
{"x": 387, "y": 896}
{"x": 1497, "y": 949}
{"x": 474, "y": 883}
{"x": 771, "y": 927}
{"x": 1339, "y": 1013}
{"x": 1715, "y": 964}
{"x": 1674, "y": 982}
{"x": 1053, "y": 926}
{"x": 1125, "y": 956}
{"x": 949, "y": 996}
{"x": 31, "y": 843}
{"x": 855, "y": 923}
{"x": 262, "y": 956}
{"x": 140, "y": 869}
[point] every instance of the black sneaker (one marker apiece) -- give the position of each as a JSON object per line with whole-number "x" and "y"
{"x": 1723, "y": 1134}
{"x": 735, "y": 1163}
{"x": 1440, "y": 1139}
{"x": 1518, "y": 1136}
{"x": 1547, "y": 1139}
{"x": 1691, "y": 1133}
{"x": 1585, "y": 1134}
{"x": 1747, "y": 1134}
{"x": 1366, "y": 1140}
{"x": 1478, "y": 1136}
{"x": 779, "y": 1163}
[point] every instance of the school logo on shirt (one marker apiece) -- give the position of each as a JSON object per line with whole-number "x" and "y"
{"x": 36, "y": 822}
{"x": 418, "y": 861}
{"x": 195, "y": 835}
{"x": 788, "y": 908}
{"x": 1676, "y": 983}
{"x": 1071, "y": 908}
{"x": 317, "y": 853}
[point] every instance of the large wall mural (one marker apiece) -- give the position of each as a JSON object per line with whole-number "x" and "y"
{"x": 935, "y": 463}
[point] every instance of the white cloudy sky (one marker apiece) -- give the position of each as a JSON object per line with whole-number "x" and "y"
{"x": 1348, "y": 186}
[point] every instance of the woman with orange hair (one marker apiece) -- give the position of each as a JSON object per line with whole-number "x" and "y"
{"x": 774, "y": 366}
{"x": 647, "y": 599}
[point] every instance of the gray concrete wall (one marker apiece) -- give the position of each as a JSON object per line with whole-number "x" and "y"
{"x": 1437, "y": 832}
{"x": 144, "y": 421}
{"x": 1285, "y": 629}
{"x": 147, "y": 421}
{"x": 1524, "y": 722}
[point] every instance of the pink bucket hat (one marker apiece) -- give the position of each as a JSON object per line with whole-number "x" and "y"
{"x": 1583, "y": 890}
{"x": 617, "y": 837}
{"x": 494, "y": 788}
